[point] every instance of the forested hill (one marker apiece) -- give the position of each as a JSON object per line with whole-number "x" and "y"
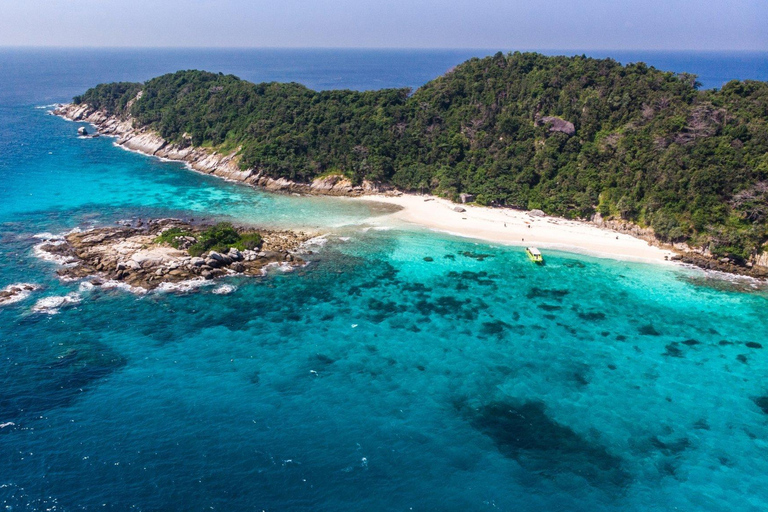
{"x": 572, "y": 136}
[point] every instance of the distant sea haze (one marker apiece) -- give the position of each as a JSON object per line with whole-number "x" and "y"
{"x": 34, "y": 76}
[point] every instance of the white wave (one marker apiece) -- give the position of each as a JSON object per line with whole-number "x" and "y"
{"x": 18, "y": 292}
{"x": 52, "y": 239}
{"x": 44, "y": 255}
{"x": 183, "y": 286}
{"x": 86, "y": 286}
{"x": 345, "y": 238}
{"x": 48, "y": 236}
{"x": 224, "y": 289}
{"x": 316, "y": 241}
{"x": 119, "y": 285}
{"x": 51, "y": 305}
{"x": 278, "y": 265}
{"x": 8, "y": 424}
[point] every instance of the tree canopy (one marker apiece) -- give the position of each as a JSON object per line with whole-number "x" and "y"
{"x": 569, "y": 135}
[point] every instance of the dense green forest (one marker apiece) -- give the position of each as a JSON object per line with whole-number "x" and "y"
{"x": 569, "y": 135}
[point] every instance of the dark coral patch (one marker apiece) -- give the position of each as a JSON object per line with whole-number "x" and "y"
{"x": 476, "y": 256}
{"x": 753, "y": 344}
{"x": 670, "y": 447}
{"x": 527, "y": 434}
{"x": 450, "y": 306}
{"x": 547, "y": 293}
{"x": 321, "y": 360}
{"x": 415, "y": 288}
{"x": 73, "y": 373}
{"x": 481, "y": 278}
{"x": 649, "y": 330}
{"x": 495, "y": 328}
{"x": 762, "y": 403}
{"x": 589, "y": 316}
{"x": 379, "y": 310}
{"x": 673, "y": 350}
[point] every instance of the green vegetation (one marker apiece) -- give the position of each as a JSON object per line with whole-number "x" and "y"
{"x": 219, "y": 238}
{"x": 173, "y": 237}
{"x": 649, "y": 146}
{"x": 222, "y": 237}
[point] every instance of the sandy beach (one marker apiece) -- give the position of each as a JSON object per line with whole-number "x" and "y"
{"x": 516, "y": 227}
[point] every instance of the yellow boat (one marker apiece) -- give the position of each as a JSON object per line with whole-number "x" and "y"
{"x": 534, "y": 254}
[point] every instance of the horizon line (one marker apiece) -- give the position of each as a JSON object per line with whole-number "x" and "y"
{"x": 380, "y": 48}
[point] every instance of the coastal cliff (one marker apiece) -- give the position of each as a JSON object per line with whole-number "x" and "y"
{"x": 226, "y": 166}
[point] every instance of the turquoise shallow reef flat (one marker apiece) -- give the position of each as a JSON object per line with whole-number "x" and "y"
{"x": 373, "y": 378}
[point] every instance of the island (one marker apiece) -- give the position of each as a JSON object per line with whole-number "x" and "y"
{"x": 629, "y": 147}
{"x": 145, "y": 255}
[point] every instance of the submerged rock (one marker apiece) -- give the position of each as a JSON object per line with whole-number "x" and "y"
{"x": 649, "y": 330}
{"x": 16, "y": 292}
{"x": 762, "y": 403}
{"x": 526, "y": 433}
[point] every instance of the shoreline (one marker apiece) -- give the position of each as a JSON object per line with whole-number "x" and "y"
{"x": 519, "y": 228}
{"x": 506, "y": 226}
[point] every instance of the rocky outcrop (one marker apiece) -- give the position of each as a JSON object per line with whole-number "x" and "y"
{"x": 556, "y": 124}
{"x": 628, "y": 228}
{"x": 131, "y": 255}
{"x": 700, "y": 257}
{"x": 761, "y": 260}
{"x": 16, "y": 292}
{"x": 207, "y": 161}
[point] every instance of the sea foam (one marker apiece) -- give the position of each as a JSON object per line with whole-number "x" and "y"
{"x": 52, "y": 305}
{"x": 17, "y": 292}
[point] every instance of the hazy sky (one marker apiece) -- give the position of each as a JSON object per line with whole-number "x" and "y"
{"x": 503, "y": 24}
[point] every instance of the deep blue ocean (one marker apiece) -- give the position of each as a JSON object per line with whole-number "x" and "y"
{"x": 371, "y": 379}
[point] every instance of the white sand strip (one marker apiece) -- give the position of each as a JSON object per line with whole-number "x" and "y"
{"x": 516, "y": 227}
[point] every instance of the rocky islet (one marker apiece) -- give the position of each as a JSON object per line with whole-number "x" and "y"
{"x": 133, "y": 255}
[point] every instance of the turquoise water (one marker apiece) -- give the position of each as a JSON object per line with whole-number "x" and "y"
{"x": 371, "y": 379}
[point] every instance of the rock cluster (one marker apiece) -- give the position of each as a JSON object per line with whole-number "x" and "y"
{"x": 722, "y": 265}
{"x": 684, "y": 253}
{"x": 16, "y": 292}
{"x": 130, "y": 254}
